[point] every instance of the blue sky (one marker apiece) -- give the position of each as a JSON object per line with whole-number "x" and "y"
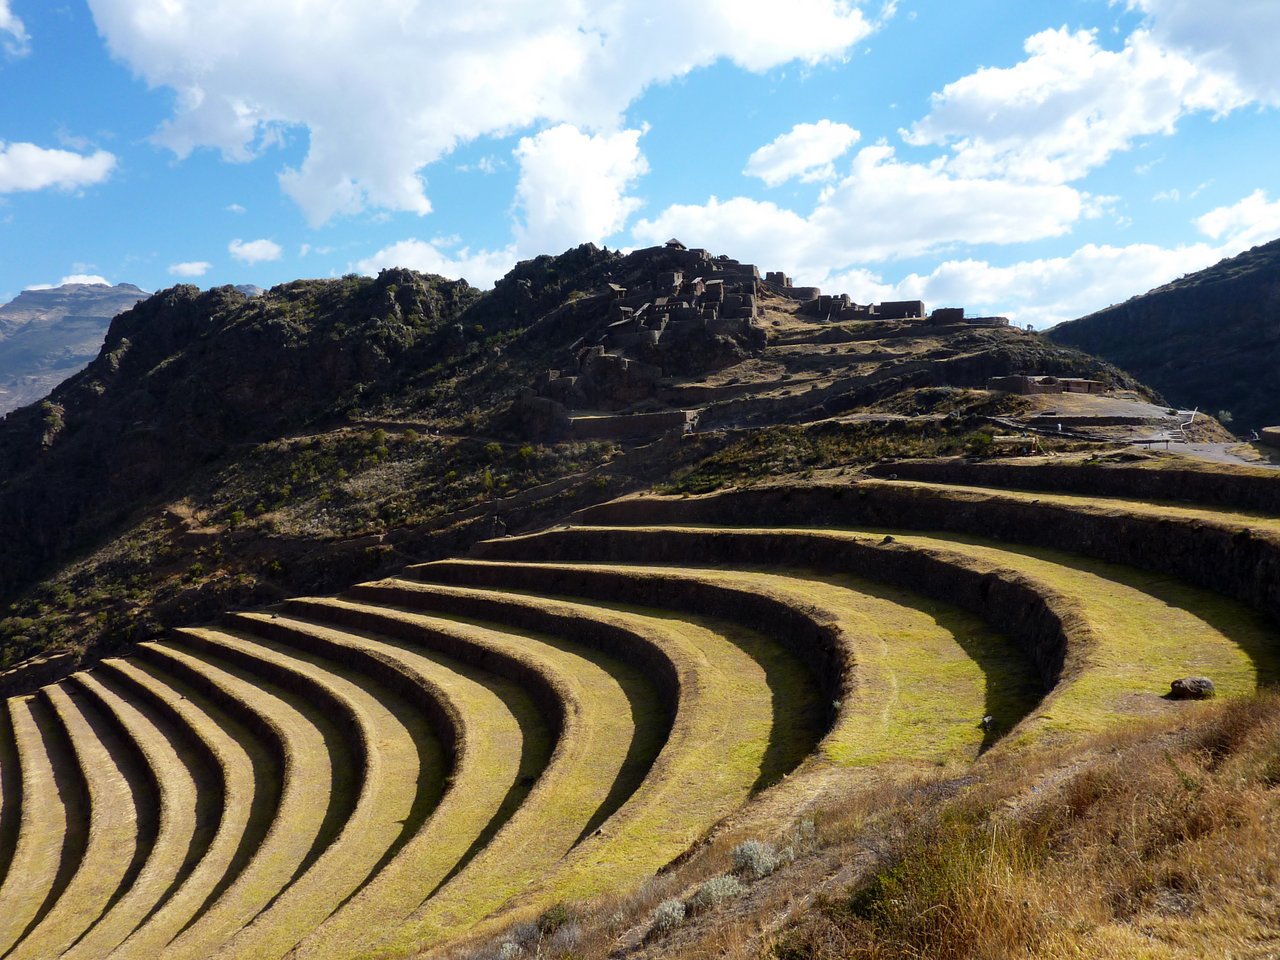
{"x": 1036, "y": 159}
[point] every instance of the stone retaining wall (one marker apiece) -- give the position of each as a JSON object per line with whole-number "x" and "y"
{"x": 1217, "y": 488}
{"x": 1229, "y": 558}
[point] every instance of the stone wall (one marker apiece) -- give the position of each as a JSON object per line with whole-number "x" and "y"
{"x": 1225, "y": 557}
{"x": 1041, "y": 623}
{"x": 631, "y": 426}
{"x": 1244, "y": 489}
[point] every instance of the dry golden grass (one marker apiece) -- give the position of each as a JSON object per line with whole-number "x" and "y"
{"x": 1164, "y": 847}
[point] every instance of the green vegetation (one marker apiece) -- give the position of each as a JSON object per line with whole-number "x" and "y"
{"x": 676, "y": 741}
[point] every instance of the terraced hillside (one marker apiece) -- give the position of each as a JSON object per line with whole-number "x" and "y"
{"x": 565, "y": 713}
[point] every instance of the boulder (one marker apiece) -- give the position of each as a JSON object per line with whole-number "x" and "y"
{"x": 1191, "y": 688}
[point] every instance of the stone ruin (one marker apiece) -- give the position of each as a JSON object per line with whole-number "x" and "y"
{"x": 695, "y": 314}
{"x": 1028, "y": 385}
{"x": 840, "y": 308}
{"x": 692, "y": 313}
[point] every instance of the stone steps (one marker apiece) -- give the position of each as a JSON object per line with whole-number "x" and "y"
{"x": 564, "y": 713}
{"x": 168, "y": 824}
{"x": 105, "y": 865}
{"x": 53, "y": 830}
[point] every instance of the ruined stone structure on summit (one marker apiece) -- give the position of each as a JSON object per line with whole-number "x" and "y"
{"x": 1030, "y": 385}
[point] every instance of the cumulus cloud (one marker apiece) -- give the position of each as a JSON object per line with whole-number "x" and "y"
{"x": 808, "y": 151}
{"x": 13, "y": 35}
{"x": 1236, "y": 39}
{"x": 480, "y": 268}
{"x": 1252, "y": 221}
{"x": 191, "y": 268}
{"x": 385, "y": 88}
{"x": 1046, "y": 291}
{"x": 883, "y": 209}
{"x": 25, "y": 167}
{"x": 573, "y": 187}
{"x": 254, "y": 251}
{"x": 1069, "y": 106}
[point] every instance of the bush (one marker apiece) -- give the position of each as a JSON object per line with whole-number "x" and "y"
{"x": 755, "y": 859}
{"x": 714, "y": 891}
{"x": 669, "y": 915}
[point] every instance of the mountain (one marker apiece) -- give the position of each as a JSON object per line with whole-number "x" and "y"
{"x": 1209, "y": 340}
{"x": 47, "y": 335}
{"x": 210, "y": 410}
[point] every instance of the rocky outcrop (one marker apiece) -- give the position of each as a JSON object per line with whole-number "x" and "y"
{"x": 186, "y": 374}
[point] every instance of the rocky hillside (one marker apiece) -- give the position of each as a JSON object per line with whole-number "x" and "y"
{"x": 1209, "y": 340}
{"x": 223, "y": 450}
{"x": 47, "y": 335}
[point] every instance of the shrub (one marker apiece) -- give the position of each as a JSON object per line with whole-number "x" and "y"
{"x": 668, "y": 915}
{"x": 714, "y": 891}
{"x": 755, "y": 859}
{"x": 493, "y": 450}
{"x": 553, "y": 918}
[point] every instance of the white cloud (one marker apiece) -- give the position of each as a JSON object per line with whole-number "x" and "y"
{"x": 1252, "y": 221}
{"x": 13, "y": 35}
{"x": 235, "y": 208}
{"x": 386, "y": 87}
{"x": 808, "y": 151}
{"x": 480, "y": 268}
{"x": 573, "y": 187}
{"x": 883, "y": 209}
{"x": 24, "y": 166}
{"x": 254, "y": 251}
{"x": 1050, "y": 290}
{"x": 83, "y": 278}
{"x": 192, "y": 268}
{"x": 1237, "y": 38}
{"x": 1068, "y": 107}
{"x": 1045, "y": 291}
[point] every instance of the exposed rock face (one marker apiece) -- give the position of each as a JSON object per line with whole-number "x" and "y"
{"x": 1209, "y": 340}
{"x": 1191, "y": 688}
{"x": 184, "y": 375}
{"x": 187, "y": 378}
{"x": 48, "y": 335}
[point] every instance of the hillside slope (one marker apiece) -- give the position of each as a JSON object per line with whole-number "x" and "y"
{"x": 1209, "y": 340}
{"x": 47, "y": 335}
{"x": 225, "y": 450}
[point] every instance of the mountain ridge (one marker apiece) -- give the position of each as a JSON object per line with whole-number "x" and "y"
{"x": 47, "y": 335}
{"x": 1210, "y": 339}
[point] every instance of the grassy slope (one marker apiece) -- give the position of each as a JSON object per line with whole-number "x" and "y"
{"x": 388, "y": 786}
{"x": 1150, "y": 629}
{"x": 36, "y": 857}
{"x": 497, "y": 723}
{"x": 306, "y": 794}
{"x": 239, "y": 818}
{"x": 177, "y": 823}
{"x": 606, "y": 700}
{"x": 732, "y": 712}
{"x": 112, "y": 831}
